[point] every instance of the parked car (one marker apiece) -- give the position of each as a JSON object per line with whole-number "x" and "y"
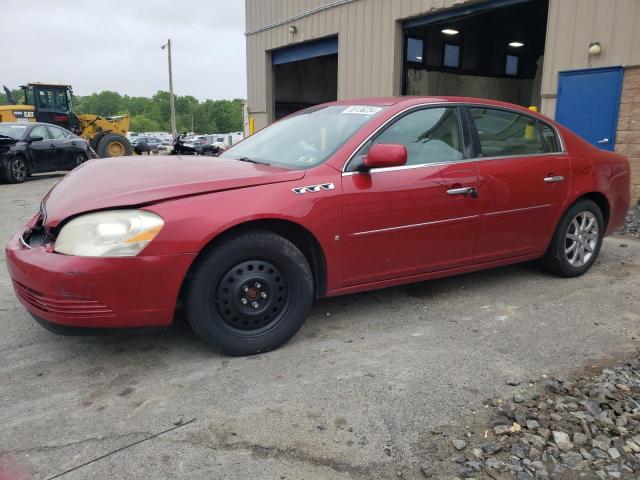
{"x": 146, "y": 144}
{"x": 28, "y": 148}
{"x": 339, "y": 198}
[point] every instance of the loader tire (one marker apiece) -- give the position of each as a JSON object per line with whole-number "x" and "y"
{"x": 113, "y": 145}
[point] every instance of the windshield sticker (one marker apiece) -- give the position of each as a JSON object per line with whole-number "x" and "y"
{"x": 362, "y": 110}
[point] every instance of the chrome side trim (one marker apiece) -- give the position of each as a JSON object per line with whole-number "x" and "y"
{"x": 517, "y": 210}
{"x": 452, "y": 104}
{"x": 415, "y": 225}
{"x": 313, "y": 188}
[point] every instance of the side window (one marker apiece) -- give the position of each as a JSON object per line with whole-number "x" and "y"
{"x": 504, "y": 134}
{"x": 451, "y": 55}
{"x": 58, "y": 133}
{"x": 40, "y": 131}
{"x": 430, "y": 135}
{"x": 550, "y": 138}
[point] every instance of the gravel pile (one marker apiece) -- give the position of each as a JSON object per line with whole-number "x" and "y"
{"x": 632, "y": 224}
{"x": 587, "y": 429}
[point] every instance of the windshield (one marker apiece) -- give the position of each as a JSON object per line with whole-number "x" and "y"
{"x": 12, "y": 130}
{"x": 305, "y": 139}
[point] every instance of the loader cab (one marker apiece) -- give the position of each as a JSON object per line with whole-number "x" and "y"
{"x": 52, "y": 104}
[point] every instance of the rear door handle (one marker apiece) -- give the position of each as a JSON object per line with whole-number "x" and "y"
{"x": 603, "y": 140}
{"x": 554, "y": 179}
{"x": 463, "y": 191}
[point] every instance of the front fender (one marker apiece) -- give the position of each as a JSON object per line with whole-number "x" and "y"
{"x": 193, "y": 223}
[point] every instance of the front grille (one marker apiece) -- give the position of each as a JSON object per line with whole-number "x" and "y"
{"x": 70, "y": 307}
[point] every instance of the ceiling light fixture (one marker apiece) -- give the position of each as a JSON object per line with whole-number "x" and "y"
{"x": 450, "y": 31}
{"x": 516, "y": 44}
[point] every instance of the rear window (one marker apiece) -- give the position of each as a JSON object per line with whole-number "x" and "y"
{"x": 504, "y": 134}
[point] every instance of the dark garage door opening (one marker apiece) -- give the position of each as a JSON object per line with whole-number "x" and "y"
{"x": 492, "y": 50}
{"x": 304, "y": 75}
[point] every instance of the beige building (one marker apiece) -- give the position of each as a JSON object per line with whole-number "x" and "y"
{"x": 576, "y": 60}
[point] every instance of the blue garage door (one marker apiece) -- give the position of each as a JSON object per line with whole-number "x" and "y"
{"x": 588, "y": 103}
{"x": 303, "y": 51}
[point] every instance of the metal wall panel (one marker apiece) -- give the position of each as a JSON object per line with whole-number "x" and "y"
{"x": 370, "y": 41}
{"x": 573, "y": 24}
{"x": 369, "y": 36}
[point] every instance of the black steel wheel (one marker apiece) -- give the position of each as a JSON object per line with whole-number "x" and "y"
{"x": 249, "y": 295}
{"x": 252, "y": 295}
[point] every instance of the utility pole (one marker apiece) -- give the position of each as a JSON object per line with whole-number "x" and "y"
{"x": 172, "y": 106}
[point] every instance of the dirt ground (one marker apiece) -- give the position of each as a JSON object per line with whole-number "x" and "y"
{"x": 354, "y": 395}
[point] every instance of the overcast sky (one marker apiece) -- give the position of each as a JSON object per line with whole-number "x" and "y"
{"x": 115, "y": 45}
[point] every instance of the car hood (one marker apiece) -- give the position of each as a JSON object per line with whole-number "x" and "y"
{"x": 135, "y": 181}
{"x": 6, "y": 144}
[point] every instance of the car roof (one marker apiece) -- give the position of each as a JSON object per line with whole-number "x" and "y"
{"x": 415, "y": 100}
{"x": 33, "y": 124}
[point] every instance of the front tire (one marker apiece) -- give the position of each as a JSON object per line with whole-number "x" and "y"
{"x": 16, "y": 170}
{"x": 249, "y": 295}
{"x": 577, "y": 240}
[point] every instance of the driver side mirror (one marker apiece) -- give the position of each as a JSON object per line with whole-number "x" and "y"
{"x": 36, "y": 138}
{"x": 384, "y": 155}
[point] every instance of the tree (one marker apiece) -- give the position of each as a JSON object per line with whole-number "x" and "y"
{"x": 153, "y": 114}
{"x": 105, "y": 104}
{"x": 140, "y": 123}
{"x": 16, "y": 94}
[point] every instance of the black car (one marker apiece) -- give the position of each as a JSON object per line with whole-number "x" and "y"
{"x": 27, "y": 148}
{"x": 146, "y": 144}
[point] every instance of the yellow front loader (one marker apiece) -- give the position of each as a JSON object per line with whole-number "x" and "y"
{"x": 50, "y": 103}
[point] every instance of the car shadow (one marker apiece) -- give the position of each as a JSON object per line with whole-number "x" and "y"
{"x": 432, "y": 290}
{"x": 180, "y": 335}
{"x": 44, "y": 176}
{"x": 35, "y": 178}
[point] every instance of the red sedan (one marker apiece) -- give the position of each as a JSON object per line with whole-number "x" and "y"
{"x": 338, "y": 198}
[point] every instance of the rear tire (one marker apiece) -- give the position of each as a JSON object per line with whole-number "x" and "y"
{"x": 16, "y": 170}
{"x": 249, "y": 295}
{"x": 113, "y": 145}
{"x": 577, "y": 240}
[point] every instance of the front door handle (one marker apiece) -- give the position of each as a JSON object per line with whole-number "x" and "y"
{"x": 603, "y": 140}
{"x": 463, "y": 191}
{"x": 554, "y": 178}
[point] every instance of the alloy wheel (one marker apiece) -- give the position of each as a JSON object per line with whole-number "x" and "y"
{"x": 19, "y": 170}
{"x": 581, "y": 239}
{"x": 252, "y": 295}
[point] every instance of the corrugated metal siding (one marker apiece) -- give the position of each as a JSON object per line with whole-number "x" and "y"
{"x": 573, "y": 24}
{"x": 369, "y": 36}
{"x": 370, "y": 41}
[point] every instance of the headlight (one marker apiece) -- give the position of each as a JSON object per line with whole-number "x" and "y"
{"x": 116, "y": 233}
